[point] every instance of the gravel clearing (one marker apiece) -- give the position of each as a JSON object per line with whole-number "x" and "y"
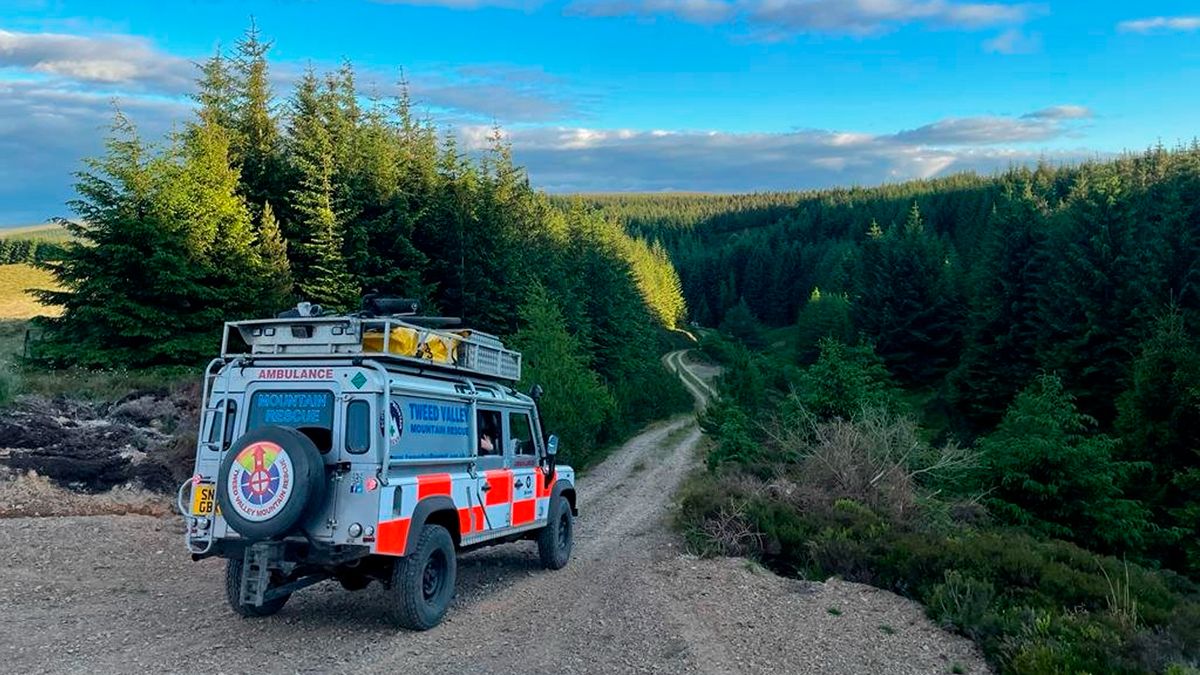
{"x": 117, "y": 594}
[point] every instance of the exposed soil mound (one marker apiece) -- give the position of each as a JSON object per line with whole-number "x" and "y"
{"x": 143, "y": 440}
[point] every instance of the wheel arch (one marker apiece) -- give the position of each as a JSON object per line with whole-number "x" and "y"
{"x": 566, "y": 489}
{"x": 435, "y": 510}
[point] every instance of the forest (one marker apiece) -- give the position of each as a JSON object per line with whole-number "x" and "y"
{"x": 326, "y": 194}
{"x": 981, "y": 392}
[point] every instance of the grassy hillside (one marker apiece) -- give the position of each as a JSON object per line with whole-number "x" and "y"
{"x": 15, "y": 303}
{"x": 42, "y": 232}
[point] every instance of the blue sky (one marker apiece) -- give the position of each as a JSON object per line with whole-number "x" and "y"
{"x": 709, "y": 95}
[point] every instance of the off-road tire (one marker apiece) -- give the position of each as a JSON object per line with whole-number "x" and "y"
{"x": 308, "y": 486}
{"x": 558, "y": 536}
{"x": 422, "y": 583}
{"x": 233, "y": 594}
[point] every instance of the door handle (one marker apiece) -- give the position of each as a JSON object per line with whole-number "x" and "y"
{"x": 485, "y": 487}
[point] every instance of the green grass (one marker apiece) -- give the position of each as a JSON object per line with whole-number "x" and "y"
{"x": 43, "y": 232}
{"x": 15, "y": 303}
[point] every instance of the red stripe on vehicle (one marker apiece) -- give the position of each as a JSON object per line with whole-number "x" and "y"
{"x": 501, "y": 487}
{"x": 522, "y": 511}
{"x": 464, "y": 521}
{"x": 544, "y": 489}
{"x": 393, "y": 536}
{"x": 433, "y": 484}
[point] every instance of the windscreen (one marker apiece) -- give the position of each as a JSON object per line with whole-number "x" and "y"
{"x": 310, "y": 412}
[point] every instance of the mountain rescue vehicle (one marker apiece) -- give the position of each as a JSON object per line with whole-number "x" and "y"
{"x": 368, "y": 447}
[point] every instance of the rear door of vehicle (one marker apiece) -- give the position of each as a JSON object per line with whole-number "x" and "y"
{"x": 311, "y": 408}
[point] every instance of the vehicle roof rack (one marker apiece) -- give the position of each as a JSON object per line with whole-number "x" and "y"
{"x": 400, "y": 340}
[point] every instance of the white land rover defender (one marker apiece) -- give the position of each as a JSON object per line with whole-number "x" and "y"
{"x": 372, "y": 446}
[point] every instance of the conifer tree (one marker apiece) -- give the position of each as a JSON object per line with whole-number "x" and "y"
{"x": 216, "y": 92}
{"x": 825, "y": 315}
{"x": 1101, "y": 292}
{"x": 133, "y": 289}
{"x": 275, "y": 272}
{"x": 1043, "y": 468}
{"x": 907, "y": 303}
{"x": 1000, "y": 357}
{"x": 322, "y": 276}
{"x": 257, "y": 149}
{"x": 576, "y": 404}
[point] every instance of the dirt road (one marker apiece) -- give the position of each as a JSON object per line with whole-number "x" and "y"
{"x": 117, "y": 594}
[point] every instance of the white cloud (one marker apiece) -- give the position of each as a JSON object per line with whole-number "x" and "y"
{"x": 566, "y": 159}
{"x": 466, "y": 4}
{"x": 775, "y": 19}
{"x": 1161, "y": 24}
{"x": 1061, "y": 112}
{"x": 46, "y": 129}
{"x": 695, "y": 11}
{"x": 1014, "y": 41}
{"x": 102, "y": 59}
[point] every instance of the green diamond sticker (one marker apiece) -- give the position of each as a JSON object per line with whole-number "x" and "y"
{"x": 358, "y": 380}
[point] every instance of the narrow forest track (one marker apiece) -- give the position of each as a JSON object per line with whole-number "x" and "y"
{"x": 116, "y": 593}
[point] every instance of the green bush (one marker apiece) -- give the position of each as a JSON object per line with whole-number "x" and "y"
{"x": 1043, "y": 470}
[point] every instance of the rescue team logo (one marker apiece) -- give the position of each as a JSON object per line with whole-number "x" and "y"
{"x": 260, "y": 481}
{"x": 397, "y": 422}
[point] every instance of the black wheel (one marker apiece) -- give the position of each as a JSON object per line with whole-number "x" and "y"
{"x": 556, "y": 539}
{"x": 271, "y": 481}
{"x": 423, "y": 581}
{"x": 233, "y": 594}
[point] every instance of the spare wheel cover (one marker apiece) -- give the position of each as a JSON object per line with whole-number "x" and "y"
{"x": 261, "y": 481}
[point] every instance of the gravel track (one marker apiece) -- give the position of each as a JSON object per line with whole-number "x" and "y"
{"x": 117, "y": 594}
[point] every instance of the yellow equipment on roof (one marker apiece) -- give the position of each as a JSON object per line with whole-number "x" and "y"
{"x": 436, "y": 347}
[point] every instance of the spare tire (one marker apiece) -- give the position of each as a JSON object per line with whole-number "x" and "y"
{"x": 271, "y": 481}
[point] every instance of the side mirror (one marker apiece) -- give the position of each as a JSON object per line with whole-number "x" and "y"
{"x": 536, "y": 393}
{"x": 552, "y": 445}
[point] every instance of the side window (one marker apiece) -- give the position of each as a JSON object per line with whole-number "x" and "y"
{"x": 521, "y": 434}
{"x": 358, "y": 427}
{"x": 228, "y": 417}
{"x": 489, "y": 433}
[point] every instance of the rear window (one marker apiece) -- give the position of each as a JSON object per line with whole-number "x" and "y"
{"x": 310, "y": 412}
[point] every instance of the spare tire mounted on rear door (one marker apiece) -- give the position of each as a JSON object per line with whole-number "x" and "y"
{"x": 271, "y": 481}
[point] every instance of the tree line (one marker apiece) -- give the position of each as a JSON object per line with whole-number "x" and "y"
{"x": 15, "y": 250}
{"x": 259, "y": 201}
{"x": 972, "y": 291}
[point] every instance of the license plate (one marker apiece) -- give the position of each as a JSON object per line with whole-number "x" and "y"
{"x": 203, "y": 500}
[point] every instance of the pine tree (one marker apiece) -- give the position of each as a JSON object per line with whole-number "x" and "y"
{"x": 275, "y": 272}
{"x": 1043, "y": 468}
{"x": 257, "y": 149}
{"x": 907, "y": 302}
{"x": 133, "y": 289}
{"x": 576, "y": 404}
{"x": 1098, "y": 301}
{"x": 321, "y": 272}
{"x": 216, "y": 91}
{"x": 1000, "y": 359}
{"x": 825, "y": 315}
